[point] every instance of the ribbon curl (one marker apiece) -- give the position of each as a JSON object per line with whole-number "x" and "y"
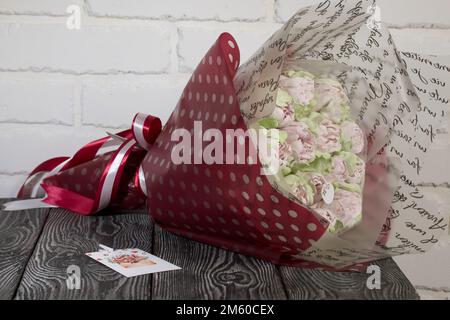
{"x": 51, "y": 183}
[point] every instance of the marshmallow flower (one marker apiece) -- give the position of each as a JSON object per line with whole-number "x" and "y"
{"x": 320, "y": 146}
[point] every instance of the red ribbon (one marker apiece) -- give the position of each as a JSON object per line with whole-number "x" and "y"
{"x": 49, "y": 176}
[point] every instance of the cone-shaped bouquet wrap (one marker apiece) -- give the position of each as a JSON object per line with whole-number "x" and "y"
{"x": 305, "y": 155}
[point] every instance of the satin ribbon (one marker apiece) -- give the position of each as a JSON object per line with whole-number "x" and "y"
{"x": 143, "y": 133}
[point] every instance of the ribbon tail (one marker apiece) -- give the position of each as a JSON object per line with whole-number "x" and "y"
{"x": 26, "y": 204}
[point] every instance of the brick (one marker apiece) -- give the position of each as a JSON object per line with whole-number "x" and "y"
{"x": 92, "y": 49}
{"x": 29, "y": 145}
{"x": 10, "y": 185}
{"x": 399, "y": 13}
{"x": 248, "y": 10}
{"x": 114, "y": 104}
{"x": 36, "y": 101}
{"x": 426, "y": 294}
{"x": 196, "y": 40}
{"x": 284, "y": 9}
{"x": 416, "y": 12}
{"x": 42, "y": 7}
{"x": 424, "y": 41}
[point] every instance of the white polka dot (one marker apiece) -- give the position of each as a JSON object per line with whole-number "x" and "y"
{"x": 261, "y": 211}
{"x": 267, "y": 236}
{"x": 222, "y": 98}
{"x": 232, "y": 176}
{"x": 219, "y": 206}
{"x": 219, "y": 191}
{"x": 259, "y": 197}
{"x": 216, "y": 79}
{"x": 245, "y": 195}
{"x": 210, "y": 60}
{"x": 233, "y": 208}
{"x": 206, "y": 204}
{"x": 274, "y": 199}
{"x": 276, "y": 212}
{"x": 279, "y": 226}
{"x": 250, "y": 223}
{"x": 233, "y": 119}
{"x": 298, "y": 240}
{"x": 231, "y": 44}
{"x": 214, "y": 97}
{"x": 219, "y": 60}
{"x": 294, "y": 227}
{"x": 235, "y": 221}
{"x": 220, "y": 174}
{"x": 224, "y": 118}
{"x": 182, "y": 112}
{"x": 259, "y": 181}
{"x": 264, "y": 225}
{"x": 232, "y": 193}
{"x": 246, "y": 179}
{"x": 282, "y": 238}
{"x": 191, "y": 114}
{"x": 247, "y": 210}
{"x": 215, "y": 117}
{"x": 311, "y": 227}
{"x": 83, "y": 171}
{"x": 222, "y": 220}
{"x": 292, "y": 213}
{"x": 225, "y": 80}
{"x": 230, "y": 56}
{"x": 206, "y": 116}
{"x": 200, "y": 78}
{"x": 208, "y": 79}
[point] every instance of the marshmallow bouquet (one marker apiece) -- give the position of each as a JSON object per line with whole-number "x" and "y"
{"x": 330, "y": 93}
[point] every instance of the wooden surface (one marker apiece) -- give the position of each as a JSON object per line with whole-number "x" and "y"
{"x": 37, "y": 247}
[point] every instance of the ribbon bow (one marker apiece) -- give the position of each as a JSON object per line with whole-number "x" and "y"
{"x": 89, "y": 181}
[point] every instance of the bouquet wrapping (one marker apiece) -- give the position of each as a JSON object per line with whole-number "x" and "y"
{"x": 308, "y": 154}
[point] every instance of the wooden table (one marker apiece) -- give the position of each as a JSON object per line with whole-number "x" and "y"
{"x": 37, "y": 246}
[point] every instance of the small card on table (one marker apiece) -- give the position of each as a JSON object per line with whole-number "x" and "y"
{"x": 131, "y": 262}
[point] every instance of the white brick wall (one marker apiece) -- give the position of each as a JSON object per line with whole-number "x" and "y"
{"x": 60, "y": 88}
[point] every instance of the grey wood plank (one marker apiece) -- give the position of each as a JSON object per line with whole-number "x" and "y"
{"x": 308, "y": 284}
{"x": 66, "y": 238}
{"x": 19, "y": 231}
{"x": 211, "y": 273}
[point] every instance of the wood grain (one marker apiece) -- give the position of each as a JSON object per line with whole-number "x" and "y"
{"x": 37, "y": 246}
{"x": 211, "y": 273}
{"x": 19, "y": 231}
{"x": 66, "y": 238}
{"x": 308, "y": 284}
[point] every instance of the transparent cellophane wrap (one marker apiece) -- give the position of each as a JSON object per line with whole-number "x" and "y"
{"x": 237, "y": 207}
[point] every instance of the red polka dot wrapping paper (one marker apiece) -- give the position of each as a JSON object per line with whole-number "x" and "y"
{"x": 231, "y": 206}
